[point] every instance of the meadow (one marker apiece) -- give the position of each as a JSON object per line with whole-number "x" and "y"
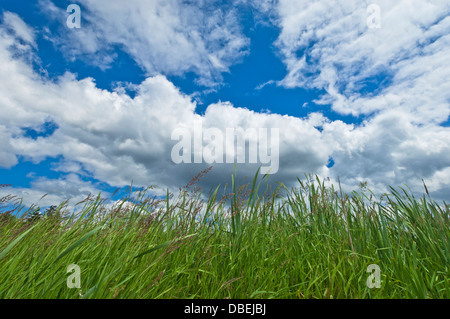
{"x": 311, "y": 241}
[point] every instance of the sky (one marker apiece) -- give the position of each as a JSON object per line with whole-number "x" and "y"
{"x": 358, "y": 91}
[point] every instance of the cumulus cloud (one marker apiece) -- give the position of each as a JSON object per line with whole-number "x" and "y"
{"x": 164, "y": 37}
{"x": 394, "y": 77}
{"x": 22, "y": 31}
{"x": 47, "y": 192}
{"x": 7, "y": 157}
{"x": 402, "y": 65}
{"x": 115, "y": 138}
{"x": 118, "y": 139}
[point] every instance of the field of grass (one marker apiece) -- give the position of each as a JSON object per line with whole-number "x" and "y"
{"x": 309, "y": 242}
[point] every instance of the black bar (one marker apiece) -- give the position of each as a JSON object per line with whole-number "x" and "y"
{"x": 220, "y": 308}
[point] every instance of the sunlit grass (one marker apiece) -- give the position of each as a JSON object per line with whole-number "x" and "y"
{"x": 309, "y": 242}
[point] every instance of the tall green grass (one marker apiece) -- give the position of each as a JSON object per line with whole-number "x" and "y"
{"x": 311, "y": 241}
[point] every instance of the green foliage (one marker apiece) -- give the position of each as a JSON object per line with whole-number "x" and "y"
{"x": 33, "y": 215}
{"x": 308, "y": 242}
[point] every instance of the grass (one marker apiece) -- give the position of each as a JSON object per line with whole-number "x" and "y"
{"x": 311, "y": 241}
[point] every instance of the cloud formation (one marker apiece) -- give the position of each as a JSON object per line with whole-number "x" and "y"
{"x": 170, "y": 37}
{"x": 364, "y": 71}
{"x": 117, "y": 138}
{"x": 394, "y": 77}
{"x": 114, "y": 138}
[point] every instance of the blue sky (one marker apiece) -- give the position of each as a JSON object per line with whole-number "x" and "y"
{"x": 91, "y": 109}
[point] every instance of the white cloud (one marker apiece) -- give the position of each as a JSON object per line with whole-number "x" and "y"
{"x": 395, "y": 78}
{"x": 328, "y": 45}
{"x": 116, "y": 138}
{"x": 168, "y": 37}
{"x": 46, "y": 192}
{"x": 7, "y": 157}
{"x": 21, "y": 30}
{"x": 389, "y": 150}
